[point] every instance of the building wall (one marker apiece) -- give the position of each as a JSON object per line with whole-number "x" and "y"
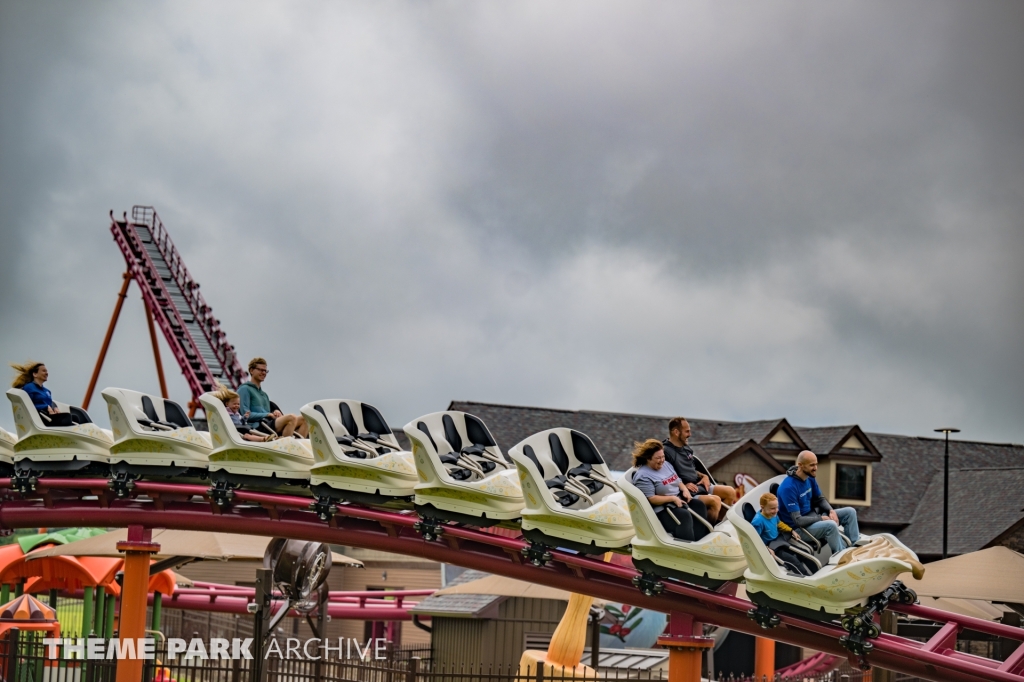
{"x": 496, "y": 642}
{"x": 457, "y": 642}
{"x": 402, "y": 573}
{"x": 224, "y": 572}
{"x": 504, "y": 636}
{"x": 383, "y": 570}
{"x": 745, "y": 463}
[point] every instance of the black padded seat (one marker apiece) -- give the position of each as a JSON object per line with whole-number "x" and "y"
{"x": 423, "y": 427}
{"x": 586, "y": 458}
{"x": 532, "y": 454}
{"x": 584, "y": 449}
{"x": 565, "y": 498}
{"x": 149, "y": 409}
{"x": 478, "y": 433}
{"x": 748, "y": 512}
{"x": 374, "y": 422}
{"x": 320, "y": 409}
{"x": 176, "y": 418}
{"x": 451, "y": 433}
{"x": 558, "y": 453}
{"x": 480, "y": 439}
{"x": 176, "y": 415}
{"x": 556, "y": 482}
{"x": 77, "y": 413}
{"x": 348, "y": 421}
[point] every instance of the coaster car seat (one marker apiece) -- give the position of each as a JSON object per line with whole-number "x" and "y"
{"x": 845, "y": 580}
{"x": 153, "y": 435}
{"x": 354, "y": 451}
{"x": 571, "y": 499}
{"x": 82, "y": 447}
{"x": 243, "y": 462}
{"x": 463, "y": 474}
{"x": 7, "y": 441}
{"x": 715, "y": 558}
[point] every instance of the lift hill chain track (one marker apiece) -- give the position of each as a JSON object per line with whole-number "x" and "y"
{"x": 78, "y": 502}
{"x": 172, "y": 296}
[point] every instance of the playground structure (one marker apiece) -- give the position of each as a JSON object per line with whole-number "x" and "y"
{"x": 63, "y": 478}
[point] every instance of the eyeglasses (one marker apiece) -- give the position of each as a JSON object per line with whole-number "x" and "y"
{"x": 260, "y": 369}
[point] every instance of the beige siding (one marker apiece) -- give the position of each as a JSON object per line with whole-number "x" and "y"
{"x": 745, "y": 463}
{"x": 500, "y": 639}
{"x": 224, "y": 572}
{"x": 423, "y": 575}
{"x": 828, "y": 486}
{"x": 457, "y": 642}
{"x": 371, "y": 577}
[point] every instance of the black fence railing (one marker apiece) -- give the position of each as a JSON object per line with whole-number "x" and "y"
{"x": 24, "y": 657}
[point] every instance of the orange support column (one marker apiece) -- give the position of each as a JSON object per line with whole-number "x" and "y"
{"x": 764, "y": 659}
{"x": 106, "y": 339}
{"x": 137, "y": 552}
{"x": 686, "y": 649}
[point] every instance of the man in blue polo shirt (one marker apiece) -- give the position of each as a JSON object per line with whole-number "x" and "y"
{"x": 801, "y": 505}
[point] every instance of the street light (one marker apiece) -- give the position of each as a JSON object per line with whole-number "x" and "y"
{"x": 945, "y": 494}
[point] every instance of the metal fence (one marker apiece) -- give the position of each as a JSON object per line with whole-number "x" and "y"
{"x": 24, "y": 658}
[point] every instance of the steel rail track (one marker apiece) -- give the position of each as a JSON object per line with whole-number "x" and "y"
{"x": 86, "y": 502}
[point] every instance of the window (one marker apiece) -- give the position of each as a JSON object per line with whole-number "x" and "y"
{"x": 851, "y": 481}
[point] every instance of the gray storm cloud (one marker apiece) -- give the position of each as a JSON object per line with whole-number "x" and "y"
{"x": 730, "y": 210}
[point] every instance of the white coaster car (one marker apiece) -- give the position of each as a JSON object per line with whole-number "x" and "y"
{"x": 7, "y": 441}
{"x": 236, "y": 461}
{"x": 463, "y": 474}
{"x": 356, "y": 456}
{"x": 571, "y": 500}
{"x": 80, "y": 448}
{"x": 845, "y": 581}
{"x": 154, "y": 436}
{"x": 714, "y": 559}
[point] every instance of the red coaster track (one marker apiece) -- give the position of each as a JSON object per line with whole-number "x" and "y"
{"x": 77, "y": 502}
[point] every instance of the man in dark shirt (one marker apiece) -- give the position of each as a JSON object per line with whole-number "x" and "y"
{"x": 681, "y": 457}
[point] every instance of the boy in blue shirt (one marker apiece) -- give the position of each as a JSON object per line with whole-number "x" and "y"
{"x": 768, "y": 526}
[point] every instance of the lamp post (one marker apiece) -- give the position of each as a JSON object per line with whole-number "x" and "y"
{"x": 945, "y": 493}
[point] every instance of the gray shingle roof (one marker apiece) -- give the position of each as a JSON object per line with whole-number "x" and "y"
{"x": 823, "y": 439}
{"x": 983, "y": 503}
{"x": 908, "y": 464}
{"x": 714, "y": 452}
{"x": 458, "y": 605}
{"x": 612, "y": 433}
{"x": 708, "y": 430}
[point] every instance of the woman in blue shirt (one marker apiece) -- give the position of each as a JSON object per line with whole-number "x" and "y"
{"x": 30, "y": 378}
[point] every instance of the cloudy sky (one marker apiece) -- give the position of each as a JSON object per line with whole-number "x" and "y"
{"x": 729, "y": 210}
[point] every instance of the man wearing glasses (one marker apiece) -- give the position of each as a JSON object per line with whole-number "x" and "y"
{"x": 257, "y": 408}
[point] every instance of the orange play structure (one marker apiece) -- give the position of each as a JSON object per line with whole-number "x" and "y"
{"x": 28, "y": 613}
{"x": 68, "y": 573}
